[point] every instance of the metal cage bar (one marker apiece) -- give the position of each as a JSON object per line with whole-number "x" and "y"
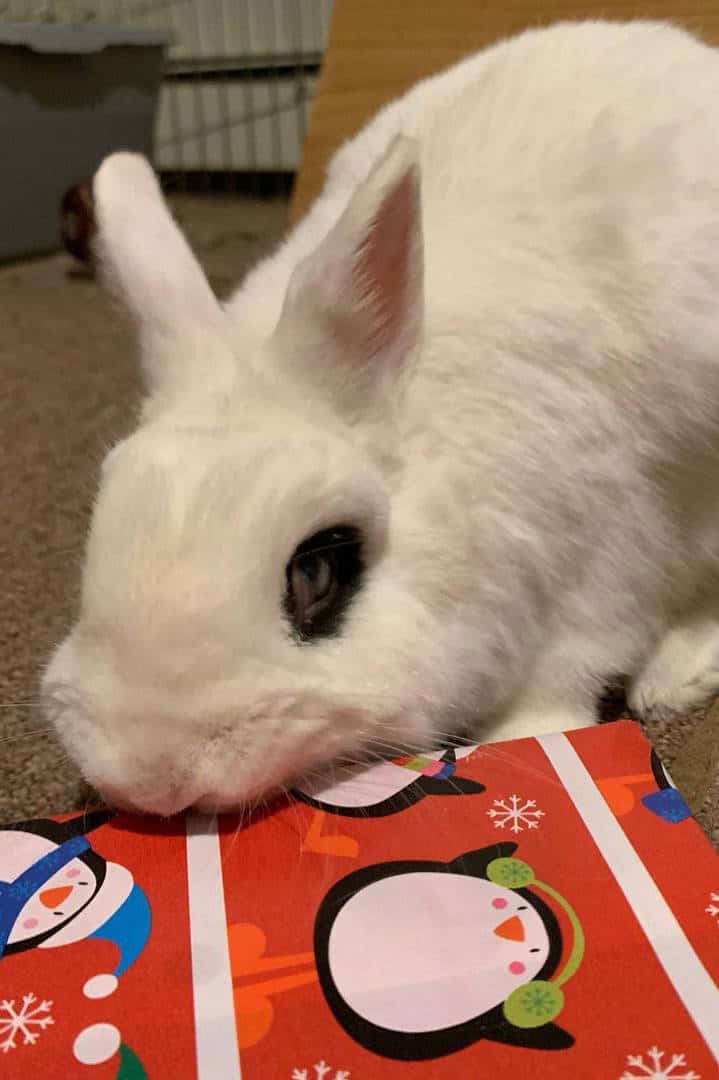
{"x": 238, "y": 80}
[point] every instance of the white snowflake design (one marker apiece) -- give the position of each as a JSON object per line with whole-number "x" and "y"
{"x": 713, "y": 909}
{"x": 320, "y": 1071}
{"x": 28, "y": 1020}
{"x": 654, "y": 1067}
{"x": 516, "y": 813}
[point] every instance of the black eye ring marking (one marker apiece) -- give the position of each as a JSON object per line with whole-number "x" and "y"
{"x": 322, "y": 576}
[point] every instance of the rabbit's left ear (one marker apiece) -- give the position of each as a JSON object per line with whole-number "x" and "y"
{"x": 149, "y": 263}
{"x": 354, "y": 308}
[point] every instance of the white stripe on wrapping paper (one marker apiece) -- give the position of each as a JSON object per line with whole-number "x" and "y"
{"x": 218, "y": 1056}
{"x": 675, "y": 953}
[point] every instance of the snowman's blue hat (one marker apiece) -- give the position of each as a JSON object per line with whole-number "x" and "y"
{"x": 15, "y": 894}
{"x": 128, "y": 928}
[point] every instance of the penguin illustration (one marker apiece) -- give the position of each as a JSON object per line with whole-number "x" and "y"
{"x": 420, "y": 959}
{"x": 55, "y": 890}
{"x": 391, "y": 786}
{"x": 666, "y": 802}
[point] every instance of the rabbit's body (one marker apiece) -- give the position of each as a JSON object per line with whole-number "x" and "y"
{"x": 526, "y": 440}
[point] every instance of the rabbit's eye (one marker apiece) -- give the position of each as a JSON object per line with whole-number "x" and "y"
{"x": 322, "y": 576}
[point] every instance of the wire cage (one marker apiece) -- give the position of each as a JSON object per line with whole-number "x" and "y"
{"x": 237, "y": 84}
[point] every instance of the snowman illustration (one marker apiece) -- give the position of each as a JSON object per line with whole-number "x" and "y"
{"x": 391, "y": 786}
{"x": 419, "y": 959}
{"x": 55, "y": 890}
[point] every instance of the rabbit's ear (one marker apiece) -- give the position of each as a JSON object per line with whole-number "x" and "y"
{"x": 361, "y": 291}
{"x": 150, "y": 265}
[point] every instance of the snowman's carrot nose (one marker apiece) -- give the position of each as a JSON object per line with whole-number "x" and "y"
{"x": 511, "y": 929}
{"x": 52, "y": 898}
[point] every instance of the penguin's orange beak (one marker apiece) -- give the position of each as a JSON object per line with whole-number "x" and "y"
{"x": 511, "y": 929}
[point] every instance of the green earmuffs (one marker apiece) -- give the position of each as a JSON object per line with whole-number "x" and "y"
{"x": 540, "y": 1001}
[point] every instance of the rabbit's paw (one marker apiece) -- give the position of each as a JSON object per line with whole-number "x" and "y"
{"x": 682, "y": 675}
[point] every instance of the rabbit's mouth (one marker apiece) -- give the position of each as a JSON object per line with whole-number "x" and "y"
{"x": 149, "y": 749}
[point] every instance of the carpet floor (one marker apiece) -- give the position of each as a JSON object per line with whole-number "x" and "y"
{"x": 69, "y": 388}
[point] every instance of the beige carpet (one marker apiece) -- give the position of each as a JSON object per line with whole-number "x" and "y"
{"x": 67, "y": 389}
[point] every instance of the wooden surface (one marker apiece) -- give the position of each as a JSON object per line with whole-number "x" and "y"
{"x": 379, "y": 48}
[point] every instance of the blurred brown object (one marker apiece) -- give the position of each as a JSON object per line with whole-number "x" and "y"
{"x": 377, "y": 49}
{"x": 696, "y": 765}
{"x": 77, "y": 221}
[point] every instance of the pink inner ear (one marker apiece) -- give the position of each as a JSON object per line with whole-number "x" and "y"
{"x": 383, "y": 265}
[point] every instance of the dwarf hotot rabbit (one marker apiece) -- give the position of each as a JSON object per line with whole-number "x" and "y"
{"x": 445, "y": 462}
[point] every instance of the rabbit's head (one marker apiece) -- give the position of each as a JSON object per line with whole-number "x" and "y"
{"x": 247, "y": 612}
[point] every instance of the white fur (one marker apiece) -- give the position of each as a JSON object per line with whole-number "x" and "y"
{"x": 530, "y": 450}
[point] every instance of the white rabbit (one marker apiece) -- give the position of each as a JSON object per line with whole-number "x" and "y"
{"x": 481, "y": 377}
